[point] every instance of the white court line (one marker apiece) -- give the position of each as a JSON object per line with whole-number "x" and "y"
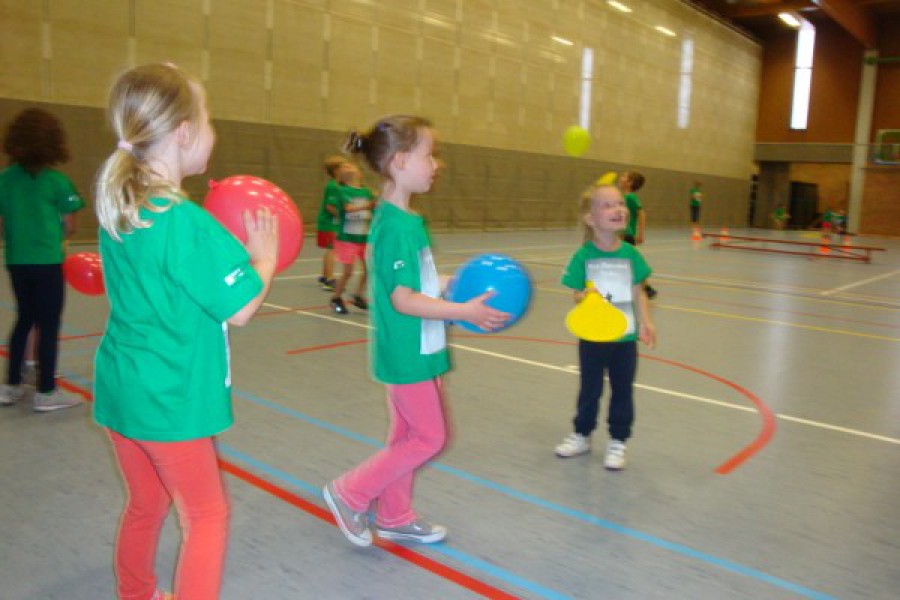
{"x": 572, "y": 369}
{"x": 859, "y": 283}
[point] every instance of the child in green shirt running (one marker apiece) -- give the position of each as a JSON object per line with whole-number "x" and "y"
{"x": 408, "y": 346}
{"x": 354, "y": 204}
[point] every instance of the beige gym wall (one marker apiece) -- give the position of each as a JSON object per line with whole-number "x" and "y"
{"x": 287, "y": 77}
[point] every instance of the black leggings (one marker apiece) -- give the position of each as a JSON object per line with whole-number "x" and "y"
{"x": 40, "y": 294}
{"x": 619, "y": 359}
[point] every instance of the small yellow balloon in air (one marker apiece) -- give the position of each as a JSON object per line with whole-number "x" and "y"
{"x": 608, "y": 178}
{"x": 596, "y": 320}
{"x": 576, "y": 140}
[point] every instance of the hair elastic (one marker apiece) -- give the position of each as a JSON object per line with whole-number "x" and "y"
{"x": 126, "y": 146}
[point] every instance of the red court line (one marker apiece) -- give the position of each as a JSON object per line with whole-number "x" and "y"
{"x": 470, "y": 583}
{"x": 441, "y": 570}
{"x": 768, "y": 417}
{"x": 326, "y": 346}
{"x": 765, "y": 413}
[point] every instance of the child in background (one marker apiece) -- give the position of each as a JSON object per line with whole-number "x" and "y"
{"x": 37, "y": 212}
{"x": 175, "y": 279}
{"x": 355, "y": 204}
{"x": 327, "y": 222}
{"x": 780, "y": 217}
{"x": 696, "y": 202}
{"x": 630, "y": 182}
{"x": 605, "y": 265}
{"x": 408, "y": 346}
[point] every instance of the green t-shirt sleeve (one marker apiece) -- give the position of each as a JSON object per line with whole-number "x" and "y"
{"x": 641, "y": 269}
{"x": 574, "y": 276}
{"x": 210, "y": 264}
{"x": 397, "y": 263}
{"x": 67, "y": 198}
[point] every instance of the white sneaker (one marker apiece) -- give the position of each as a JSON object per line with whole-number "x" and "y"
{"x": 55, "y": 400}
{"x": 573, "y": 445}
{"x": 10, "y": 394}
{"x": 615, "y": 455}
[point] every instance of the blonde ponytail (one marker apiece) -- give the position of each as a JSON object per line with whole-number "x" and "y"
{"x": 146, "y": 103}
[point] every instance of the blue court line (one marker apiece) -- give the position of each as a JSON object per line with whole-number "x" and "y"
{"x": 564, "y": 510}
{"x": 442, "y": 548}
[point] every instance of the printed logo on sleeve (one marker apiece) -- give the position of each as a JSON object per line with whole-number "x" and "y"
{"x": 399, "y": 264}
{"x": 234, "y": 276}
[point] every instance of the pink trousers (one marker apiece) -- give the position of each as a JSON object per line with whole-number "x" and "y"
{"x": 417, "y": 433}
{"x": 156, "y": 474}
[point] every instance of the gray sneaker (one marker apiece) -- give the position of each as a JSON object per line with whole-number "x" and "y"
{"x": 419, "y": 531}
{"x": 354, "y": 525}
{"x": 55, "y": 400}
{"x": 10, "y": 394}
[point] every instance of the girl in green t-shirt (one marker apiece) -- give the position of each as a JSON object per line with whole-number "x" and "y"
{"x": 175, "y": 279}
{"x": 37, "y": 212}
{"x": 408, "y": 346}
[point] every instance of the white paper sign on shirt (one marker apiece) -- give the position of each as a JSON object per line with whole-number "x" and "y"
{"x": 434, "y": 332}
{"x": 613, "y": 279}
{"x": 357, "y": 222}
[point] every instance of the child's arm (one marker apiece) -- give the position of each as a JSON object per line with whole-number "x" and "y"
{"x": 262, "y": 245}
{"x": 641, "y": 223}
{"x": 647, "y": 333}
{"x": 70, "y": 224}
{"x": 475, "y": 311}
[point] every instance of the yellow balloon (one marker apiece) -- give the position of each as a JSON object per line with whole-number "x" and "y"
{"x": 576, "y": 140}
{"x": 596, "y": 320}
{"x": 608, "y": 178}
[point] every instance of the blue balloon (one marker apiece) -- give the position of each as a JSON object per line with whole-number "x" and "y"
{"x": 500, "y": 274}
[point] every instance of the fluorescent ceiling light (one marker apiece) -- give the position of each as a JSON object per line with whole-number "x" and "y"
{"x": 789, "y": 20}
{"x": 562, "y": 41}
{"x": 618, "y": 6}
{"x": 665, "y": 30}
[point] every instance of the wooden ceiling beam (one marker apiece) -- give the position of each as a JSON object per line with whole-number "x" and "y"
{"x": 855, "y": 20}
{"x": 745, "y": 11}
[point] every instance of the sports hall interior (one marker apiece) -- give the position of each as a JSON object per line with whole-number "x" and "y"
{"x": 768, "y": 431}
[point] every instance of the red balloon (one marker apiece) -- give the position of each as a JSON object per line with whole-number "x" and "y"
{"x": 229, "y": 198}
{"x": 84, "y": 272}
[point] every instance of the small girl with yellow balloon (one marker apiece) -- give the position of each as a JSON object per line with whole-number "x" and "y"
{"x": 612, "y": 313}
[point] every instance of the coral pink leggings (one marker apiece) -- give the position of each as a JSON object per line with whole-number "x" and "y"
{"x": 156, "y": 474}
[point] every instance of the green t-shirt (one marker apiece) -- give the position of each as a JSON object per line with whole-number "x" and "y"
{"x": 32, "y": 208}
{"x": 634, "y": 207}
{"x": 614, "y": 275}
{"x": 354, "y": 226}
{"x": 403, "y": 348}
{"x": 696, "y": 196}
{"x": 162, "y": 368}
{"x": 330, "y": 197}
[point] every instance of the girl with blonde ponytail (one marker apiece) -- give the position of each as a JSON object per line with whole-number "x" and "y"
{"x": 175, "y": 280}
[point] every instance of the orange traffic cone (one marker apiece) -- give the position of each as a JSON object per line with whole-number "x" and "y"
{"x": 824, "y": 243}
{"x": 723, "y": 234}
{"x": 695, "y": 234}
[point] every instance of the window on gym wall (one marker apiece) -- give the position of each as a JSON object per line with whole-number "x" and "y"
{"x": 803, "y": 65}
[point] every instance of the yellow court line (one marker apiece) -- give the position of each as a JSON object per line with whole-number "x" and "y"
{"x": 798, "y": 294}
{"x": 754, "y": 319}
{"x": 785, "y": 323}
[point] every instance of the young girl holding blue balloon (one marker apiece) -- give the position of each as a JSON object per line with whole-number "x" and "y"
{"x": 408, "y": 346}
{"x": 175, "y": 280}
{"x": 616, "y": 270}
